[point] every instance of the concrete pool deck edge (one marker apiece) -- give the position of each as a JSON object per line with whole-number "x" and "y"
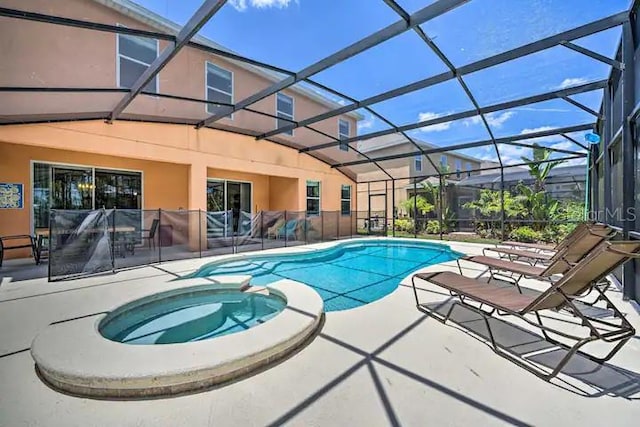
{"x": 73, "y": 357}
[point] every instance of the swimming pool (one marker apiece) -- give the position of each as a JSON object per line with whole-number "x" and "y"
{"x": 347, "y": 275}
{"x": 191, "y": 314}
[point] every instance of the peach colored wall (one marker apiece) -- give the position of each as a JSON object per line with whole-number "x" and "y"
{"x": 45, "y": 55}
{"x": 284, "y": 194}
{"x": 200, "y": 149}
{"x": 261, "y": 186}
{"x": 164, "y": 184}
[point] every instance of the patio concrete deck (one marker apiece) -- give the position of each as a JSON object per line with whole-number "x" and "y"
{"x": 381, "y": 364}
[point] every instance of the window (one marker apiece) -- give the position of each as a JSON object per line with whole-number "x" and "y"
{"x": 345, "y": 200}
{"x": 284, "y": 109}
{"x": 443, "y": 161}
{"x": 469, "y": 168}
{"x": 313, "y": 198}
{"x": 135, "y": 54}
{"x": 344, "y": 133}
{"x": 219, "y": 87}
{"x": 418, "y": 163}
{"x": 458, "y": 168}
{"x": 83, "y": 187}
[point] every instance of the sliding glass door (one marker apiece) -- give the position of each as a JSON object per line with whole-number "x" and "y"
{"x": 79, "y": 187}
{"x": 228, "y": 208}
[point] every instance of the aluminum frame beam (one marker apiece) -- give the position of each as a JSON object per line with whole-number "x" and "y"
{"x": 582, "y": 107}
{"x": 528, "y": 49}
{"x": 541, "y": 134}
{"x": 87, "y": 25}
{"x": 567, "y": 137}
{"x": 556, "y": 150}
{"x": 588, "y": 87}
{"x": 423, "y": 15}
{"x": 422, "y": 177}
{"x": 197, "y": 21}
{"x": 595, "y": 55}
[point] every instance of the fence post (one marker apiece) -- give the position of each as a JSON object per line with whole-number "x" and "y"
{"x": 441, "y": 213}
{"x": 338, "y": 223}
{"x": 393, "y": 207}
{"x": 113, "y": 240}
{"x": 285, "y": 228}
{"x": 159, "y": 242}
{"x": 50, "y": 260}
{"x": 262, "y": 229}
{"x": 351, "y": 222}
{"x": 502, "y": 213}
{"x": 415, "y": 209}
{"x": 321, "y": 225}
{"x": 200, "y": 231}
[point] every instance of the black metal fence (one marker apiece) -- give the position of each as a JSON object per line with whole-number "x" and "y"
{"x": 84, "y": 242}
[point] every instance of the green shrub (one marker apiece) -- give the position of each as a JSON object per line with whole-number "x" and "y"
{"x": 525, "y": 234}
{"x": 404, "y": 225}
{"x": 433, "y": 227}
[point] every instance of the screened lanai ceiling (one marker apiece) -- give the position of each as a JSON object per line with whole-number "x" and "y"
{"x": 482, "y": 80}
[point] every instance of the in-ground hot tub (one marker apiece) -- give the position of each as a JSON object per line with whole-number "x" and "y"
{"x": 192, "y": 315}
{"x": 208, "y": 336}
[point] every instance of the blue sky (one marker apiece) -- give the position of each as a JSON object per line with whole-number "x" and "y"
{"x": 295, "y": 33}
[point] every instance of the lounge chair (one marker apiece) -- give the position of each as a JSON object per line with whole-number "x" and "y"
{"x": 19, "y": 241}
{"x": 562, "y": 295}
{"x": 288, "y": 231}
{"x": 559, "y": 263}
{"x": 535, "y": 252}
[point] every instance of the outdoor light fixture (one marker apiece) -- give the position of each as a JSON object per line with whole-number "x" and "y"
{"x": 592, "y": 138}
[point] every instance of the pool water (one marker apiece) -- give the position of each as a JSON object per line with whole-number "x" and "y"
{"x": 193, "y": 315}
{"x": 346, "y": 276}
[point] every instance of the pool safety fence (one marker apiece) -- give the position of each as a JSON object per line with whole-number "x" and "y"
{"x": 87, "y": 242}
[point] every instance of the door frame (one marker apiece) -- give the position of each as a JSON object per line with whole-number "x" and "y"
{"x": 384, "y": 224}
{"x": 224, "y": 182}
{"x": 93, "y": 180}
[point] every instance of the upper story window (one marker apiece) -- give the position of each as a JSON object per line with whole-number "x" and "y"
{"x": 418, "y": 163}
{"x": 344, "y": 128}
{"x": 458, "y": 168}
{"x": 313, "y": 197}
{"x": 135, "y": 54}
{"x": 284, "y": 109}
{"x": 443, "y": 161}
{"x": 469, "y": 168}
{"x": 345, "y": 200}
{"x": 219, "y": 87}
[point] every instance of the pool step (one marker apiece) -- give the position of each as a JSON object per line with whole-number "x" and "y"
{"x": 257, "y": 290}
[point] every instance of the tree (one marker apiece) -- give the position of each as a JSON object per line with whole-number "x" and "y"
{"x": 419, "y": 202}
{"x": 540, "y": 171}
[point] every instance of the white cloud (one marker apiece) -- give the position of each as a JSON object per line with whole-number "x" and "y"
{"x": 495, "y": 120}
{"x": 366, "y": 123}
{"x": 564, "y": 145}
{"x": 547, "y": 139}
{"x": 574, "y": 81}
{"x": 422, "y": 117}
{"x": 544, "y": 110}
{"x": 242, "y": 5}
{"x": 511, "y": 154}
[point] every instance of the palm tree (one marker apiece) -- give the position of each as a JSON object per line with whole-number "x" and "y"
{"x": 539, "y": 166}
